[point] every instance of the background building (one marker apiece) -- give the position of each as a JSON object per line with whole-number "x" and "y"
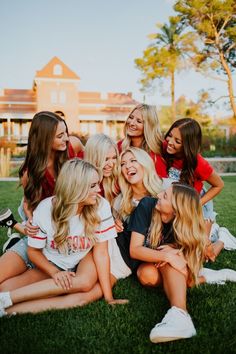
{"x": 56, "y": 88}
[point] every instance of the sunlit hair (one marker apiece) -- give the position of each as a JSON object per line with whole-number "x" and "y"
{"x": 95, "y": 152}
{"x": 191, "y": 136}
{"x": 151, "y": 181}
{"x": 72, "y": 188}
{"x": 41, "y": 136}
{"x": 152, "y": 137}
{"x": 188, "y": 227}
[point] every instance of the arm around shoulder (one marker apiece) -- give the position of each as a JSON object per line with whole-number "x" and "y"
{"x": 76, "y": 144}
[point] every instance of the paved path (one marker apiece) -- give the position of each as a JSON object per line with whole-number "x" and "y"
{"x": 9, "y": 179}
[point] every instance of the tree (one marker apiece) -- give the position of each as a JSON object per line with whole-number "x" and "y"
{"x": 167, "y": 55}
{"x": 215, "y": 23}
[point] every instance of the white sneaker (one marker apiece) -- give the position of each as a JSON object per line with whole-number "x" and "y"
{"x": 214, "y": 232}
{"x": 176, "y": 324}
{"x": 228, "y": 239}
{"x": 5, "y": 300}
{"x": 218, "y": 276}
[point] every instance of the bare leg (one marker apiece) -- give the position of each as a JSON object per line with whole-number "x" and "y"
{"x": 175, "y": 286}
{"x": 217, "y": 246}
{"x": 85, "y": 279}
{"x": 60, "y": 302}
{"x": 11, "y": 264}
{"x": 28, "y": 277}
{"x": 149, "y": 275}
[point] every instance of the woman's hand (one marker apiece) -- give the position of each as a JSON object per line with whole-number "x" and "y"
{"x": 63, "y": 279}
{"x": 117, "y": 302}
{"x": 31, "y": 230}
{"x": 174, "y": 257}
{"x": 119, "y": 225}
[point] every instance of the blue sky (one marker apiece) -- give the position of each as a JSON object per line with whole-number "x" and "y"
{"x": 99, "y": 40}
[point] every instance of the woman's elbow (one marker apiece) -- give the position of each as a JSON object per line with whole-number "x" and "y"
{"x": 222, "y": 184}
{"x": 133, "y": 252}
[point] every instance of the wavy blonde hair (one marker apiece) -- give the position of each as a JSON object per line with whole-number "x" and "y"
{"x": 152, "y": 140}
{"x": 95, "y": 152}
{"x": 151, "y": 181}
{"x": 188, "y": 227}
{"x": 72, "y": 188}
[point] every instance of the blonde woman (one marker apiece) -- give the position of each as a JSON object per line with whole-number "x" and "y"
{"x": 101, "y": 151}
{"x": 142, "y": 130}
{"x": 168, "y": 234}
{"x": 138, "y": 179}
{"x": 71, "y": 223}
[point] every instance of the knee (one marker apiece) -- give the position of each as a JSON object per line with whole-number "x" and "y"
{"x": 82, "y": 284}
{"x": 148, "y": 275}
{"x": 4, "y": 286}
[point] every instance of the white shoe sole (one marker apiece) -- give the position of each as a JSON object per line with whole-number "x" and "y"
{"x": 167, "y": 339}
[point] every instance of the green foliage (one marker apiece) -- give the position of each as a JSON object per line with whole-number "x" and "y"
{"x": 215, "y": 143}
{"x": 166, "y": 55}
{"x": 100, "y": 329}
{"x": 186, "y": 108}
{"x": 215, "y": 23}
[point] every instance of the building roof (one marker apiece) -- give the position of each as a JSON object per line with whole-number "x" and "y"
{"x": 48, "y": 70}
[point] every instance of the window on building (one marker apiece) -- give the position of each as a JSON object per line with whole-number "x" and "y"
{"x": 53, "y": 97}
{"x": 62, "y": 97}
{"x": 84, "y": 127}
{"x": 25, "y": 129}
{"x": 92, "y": 128}
{"x": 16, "y": 129}
{"x": 57, "y": 69}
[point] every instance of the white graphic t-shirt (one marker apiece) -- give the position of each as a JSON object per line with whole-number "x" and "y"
{"x": 78, "y": 244}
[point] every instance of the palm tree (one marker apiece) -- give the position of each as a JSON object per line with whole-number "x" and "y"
{"x": 168, "y": 54}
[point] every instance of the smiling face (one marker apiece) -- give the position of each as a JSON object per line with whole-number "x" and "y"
{"x": 93, "y": 191}
{"x": 131, "y": 169}
{"x": 61, "y": 138}
{"x": 164, "y": 205}
{"x": 134, "y": 124}
{"x": 110, "y": 162}
{"x": 174, "y": 141}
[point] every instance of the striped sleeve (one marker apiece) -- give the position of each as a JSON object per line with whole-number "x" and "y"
{"x": 39, "y": 240}
{"x": 106, "y": 230}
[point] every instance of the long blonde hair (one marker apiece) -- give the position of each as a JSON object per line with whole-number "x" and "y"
{"x": 151, "y": 181}
{"x": 152, "y": 140}
{"x": 72, "y": 188}
{"x": 95, "y": 152}
{"x": 188, "y": 227}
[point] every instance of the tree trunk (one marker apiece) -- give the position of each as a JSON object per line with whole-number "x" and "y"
{"x": 173, "y": 110}
{"x": 229, "y": 82}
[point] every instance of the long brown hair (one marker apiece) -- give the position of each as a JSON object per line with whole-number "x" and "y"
{"x": 41, "y": 136}
{"x": 191, "y": 135}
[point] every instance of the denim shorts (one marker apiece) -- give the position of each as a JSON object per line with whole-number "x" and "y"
{"x": 20, "y": 248}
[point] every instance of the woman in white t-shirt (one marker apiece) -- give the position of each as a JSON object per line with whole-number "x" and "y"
{"x": 71, "y": 223}
{"x": 137, "y": 179}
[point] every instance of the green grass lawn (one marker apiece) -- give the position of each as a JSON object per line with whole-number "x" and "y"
{"x": 98, "y": 328}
